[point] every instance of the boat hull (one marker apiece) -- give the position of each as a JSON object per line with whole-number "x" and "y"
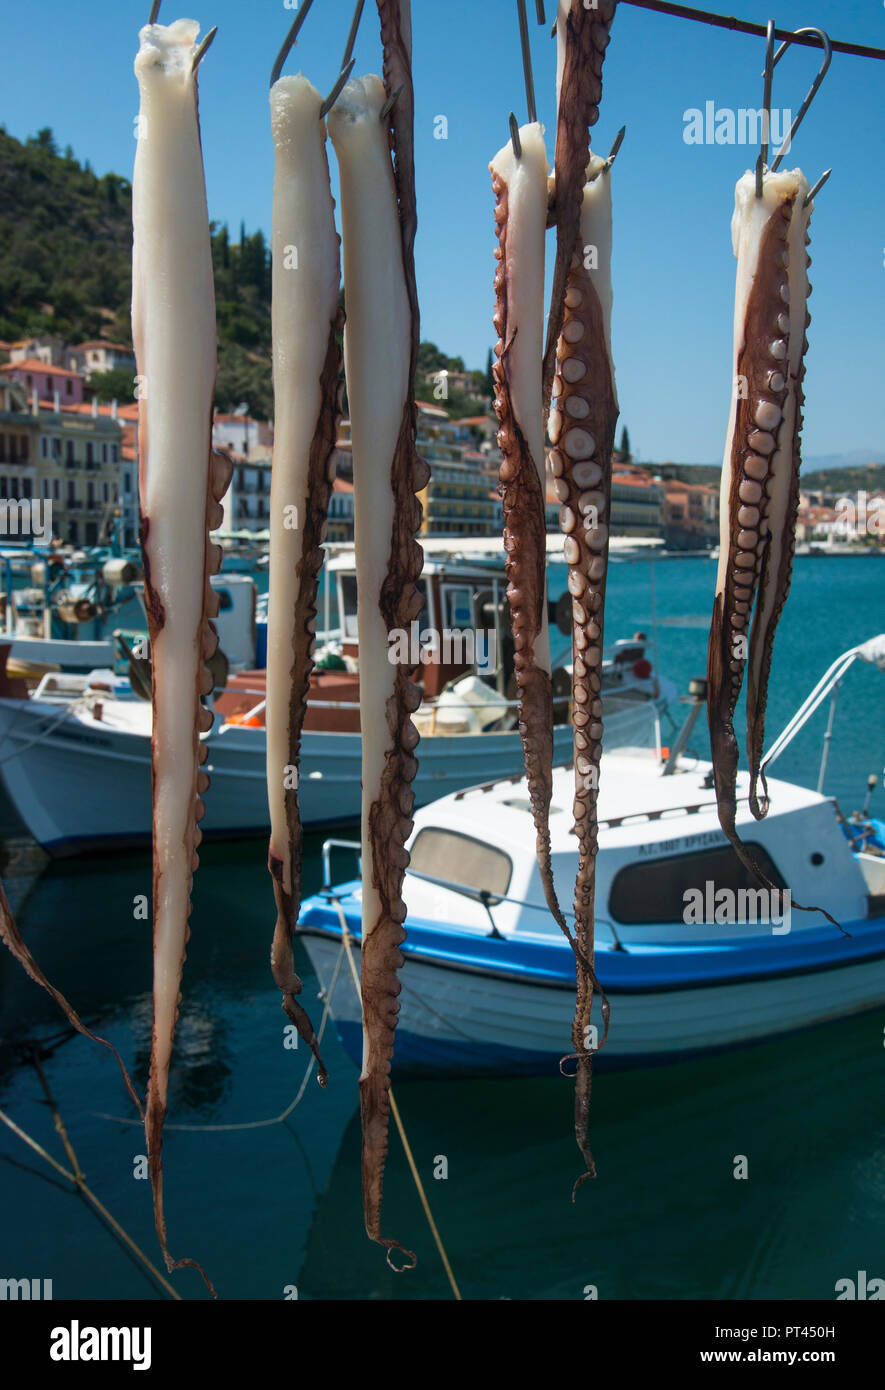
{"x": 456, "y": 1018}
{"x": 69, "y": 777}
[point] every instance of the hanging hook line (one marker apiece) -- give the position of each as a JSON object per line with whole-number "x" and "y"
{"x": 290, "y": 40}
{"x": 812, "y": 90}
{"x": 744, "y": 26}
{"x": 768, "y": 74}
{"x": 526, "y": 61}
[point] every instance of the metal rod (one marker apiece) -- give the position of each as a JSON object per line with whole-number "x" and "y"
{"x": 155, "y": 10}
{"x": 290, "y": 39}
{"x": 514, "y": 136}
{"x": 817, "y": 187}
{"x": 204, "y": 48}
{"x": 743, "y": 26}
{"x": 526, "y": 61}
{"x": 812, "y": 90}
{"x": 336, "y": 90}
{"x": 768, "y": 74}
{"x": 351, "y": 38}
{"x": 825, "y": 751}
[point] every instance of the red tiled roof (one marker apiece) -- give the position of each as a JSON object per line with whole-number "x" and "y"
{"x": 103, "y": 343}
{"x": 31, "y": 364}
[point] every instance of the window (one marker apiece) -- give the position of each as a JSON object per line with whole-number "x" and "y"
{"x": 127, "y": 482}
{"x": 56, "y": 489}
{"x": 3, "y": 486}
{"x": 72, "y": 493}
{"x": 654, "y": 890}
{"x": 90, "y": 494}
{"x": 460, "y": 859}
{"x": 69, "y": 451}
{"x": 69, "y": 387}
{"x": 56, "y": 448}
{"x": 90, "y": 453}
{"x": 44, "y": 447}
{"x": 106, "y": 491}
{"x": 115, "y": 453}
{"x": 26, "y": 487}
{"x": 45, "y": 487}
{"x": 104, "y": 453}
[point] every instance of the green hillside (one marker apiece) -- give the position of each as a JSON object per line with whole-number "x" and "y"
{"x": 65, "y": 248}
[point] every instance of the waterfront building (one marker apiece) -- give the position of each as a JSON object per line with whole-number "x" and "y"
{"x": 47, "y": 381}
{"x": 691, "y": 515}
{"x": 98, "y": 356}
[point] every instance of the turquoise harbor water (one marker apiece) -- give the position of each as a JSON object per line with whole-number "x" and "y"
{"x": 267, "y": 1208}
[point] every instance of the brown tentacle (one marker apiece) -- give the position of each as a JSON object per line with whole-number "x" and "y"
{"x": 319, "y": 489}
{"x": 13, "y": 940}
{"x": 587, "y": 38}
{"x": 749, "y": 569}
{"x": 390, "y": 821}
{"x": 525, "y": 549}
{"x": 220, "y": 471}
{"x": 582, "y": 426}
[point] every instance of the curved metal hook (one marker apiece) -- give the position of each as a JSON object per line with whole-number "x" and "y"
{"x": 204, "y": 48}
{"x": 768, "y": 74}
{"x": 812, "y": 91}
{"x": 290, "y": 39}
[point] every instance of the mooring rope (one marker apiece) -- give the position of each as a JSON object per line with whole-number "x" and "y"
{"x": 347, "y": 940}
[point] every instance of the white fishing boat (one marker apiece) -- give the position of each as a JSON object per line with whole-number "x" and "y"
{"x": 691, "y": 952}
{"x": 75, "y": 753}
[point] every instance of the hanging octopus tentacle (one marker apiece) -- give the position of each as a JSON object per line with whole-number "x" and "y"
{"x": 583, "y": 36}
{"x": 12, "y": 938}
{"x": 520, "y": 221}
{"x": 578, "y": 353}
{"x": 375, "y": 156}
{"x": 287, "y": 863}
{"x": 759, "y": 490}
{"x": 307, "y": 323}
{"x": 782, "y": 508}
{"x": 181, "y": 483}
{"x": 582, "y": 428}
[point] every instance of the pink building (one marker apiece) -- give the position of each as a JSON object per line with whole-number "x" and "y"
{"x": 46, "y": 381}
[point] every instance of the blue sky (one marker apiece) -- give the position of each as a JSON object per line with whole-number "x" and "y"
{"x": 673, "y": 265}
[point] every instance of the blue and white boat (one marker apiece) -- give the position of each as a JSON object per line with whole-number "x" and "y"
{"x": 693, "y": 955}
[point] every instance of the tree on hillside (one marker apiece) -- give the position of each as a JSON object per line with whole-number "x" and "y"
{"x": 489, "y": 383}
{"x": 624, "y": 450}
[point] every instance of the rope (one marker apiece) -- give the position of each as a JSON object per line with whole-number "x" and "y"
{"x": 85, "y": 1191}
{"x": 744, "y": 26}
{"x": 252, "y": 1124}
{"x": 44, "y": 733}
{"x": 394, "y": 1108}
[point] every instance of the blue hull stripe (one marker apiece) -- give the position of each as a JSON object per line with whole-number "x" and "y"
{"x": 635, "y": 969}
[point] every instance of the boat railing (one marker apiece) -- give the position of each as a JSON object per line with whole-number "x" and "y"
{"x": 484, "y": 896}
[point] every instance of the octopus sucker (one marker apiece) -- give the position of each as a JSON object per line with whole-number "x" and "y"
{"x": 306, "y": 322}
{"x": 578, "y": 355}
{"x": 181, "y": 481}
{"x": 375, "y": 157}
{"x": 759, "y": 490}
{"x": 582, "y": 35}
{"x": 520, "y": 187}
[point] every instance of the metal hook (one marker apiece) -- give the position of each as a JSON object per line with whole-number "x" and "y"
{"x": 526, "y": 60}
{"x": 817, "y": 187}
{"x": 390, "y": 103}
{"x": 204, "y": 48}
{"x": 612, "y": 154}
{"x": 289, "y": 41}
{"x": 812, "y": 90}
{"x": 539, "y": 7}
{"x": 337, "y": 89}
{"x": 768, "y": 74}
{"x": 155, "y": 10}
{"x": 514, "y": 136}
{"x": 351, "y": 38}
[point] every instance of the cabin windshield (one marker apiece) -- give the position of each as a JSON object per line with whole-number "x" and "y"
{"x": 459, "y": 859}
{"x": 347, "y": 599}
{"x": 655, "y": 890}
